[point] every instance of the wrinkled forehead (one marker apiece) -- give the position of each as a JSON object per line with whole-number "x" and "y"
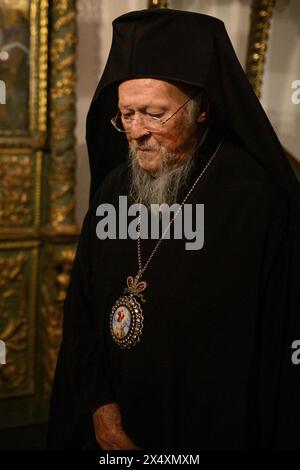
{"x": 152, "y": 89}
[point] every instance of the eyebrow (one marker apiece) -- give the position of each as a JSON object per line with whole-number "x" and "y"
{"x": 159, "y": 108}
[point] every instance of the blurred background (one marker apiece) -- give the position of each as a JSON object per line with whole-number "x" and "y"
{"x": 52, "y": 54}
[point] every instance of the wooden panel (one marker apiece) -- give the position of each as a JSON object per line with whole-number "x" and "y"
{"x": 18, "y": 274}
{"x": 20, "y": 190}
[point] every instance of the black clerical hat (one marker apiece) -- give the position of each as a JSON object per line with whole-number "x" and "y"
{"x": 191, "y": 48}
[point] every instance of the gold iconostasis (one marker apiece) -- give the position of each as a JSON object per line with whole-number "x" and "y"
{"x": 37, "y": 167}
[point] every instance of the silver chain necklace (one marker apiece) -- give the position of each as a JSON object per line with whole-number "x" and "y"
{"x": 126, "y": 317}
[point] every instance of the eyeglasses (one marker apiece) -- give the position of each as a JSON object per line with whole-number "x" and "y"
{"x": 123, "y": 122}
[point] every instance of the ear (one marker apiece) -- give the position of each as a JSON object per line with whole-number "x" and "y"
{"x": 202, "y": 117}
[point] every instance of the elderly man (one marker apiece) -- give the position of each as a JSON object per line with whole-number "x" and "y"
{"x": 164, "y": 347}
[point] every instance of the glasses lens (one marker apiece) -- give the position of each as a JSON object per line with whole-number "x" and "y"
{"x": 124, "y": 124}
{"x": 152, "y": 123}
{"x": 118, "y": 124}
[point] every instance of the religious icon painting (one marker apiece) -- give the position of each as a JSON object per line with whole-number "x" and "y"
{"x": 126, "y": 322}
{"x": 121, "y": 322}
{"x": 23, "y": 72}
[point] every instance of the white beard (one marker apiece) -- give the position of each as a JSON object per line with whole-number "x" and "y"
{"x": 163, "y": 188}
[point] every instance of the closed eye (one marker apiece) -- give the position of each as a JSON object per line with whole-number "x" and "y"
{"x": 156, "y": 117}
{"x": 127, "y": 116}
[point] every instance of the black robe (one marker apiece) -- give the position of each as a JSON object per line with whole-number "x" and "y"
{"x": 213, "y": 367}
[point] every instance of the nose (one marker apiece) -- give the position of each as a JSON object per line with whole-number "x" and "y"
{"x": 137, "y": 129}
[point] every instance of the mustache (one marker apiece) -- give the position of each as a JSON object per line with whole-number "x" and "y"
{"x": 135, "y": 146}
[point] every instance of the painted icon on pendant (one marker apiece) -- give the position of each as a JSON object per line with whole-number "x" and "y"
{"x": 121, "y": 322}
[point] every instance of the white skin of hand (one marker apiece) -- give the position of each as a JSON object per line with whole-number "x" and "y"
{"x": 108, "y": 429}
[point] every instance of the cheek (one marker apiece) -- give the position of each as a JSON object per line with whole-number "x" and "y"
{"x": 176, "y": 137}
{"x": 169, "y": 139}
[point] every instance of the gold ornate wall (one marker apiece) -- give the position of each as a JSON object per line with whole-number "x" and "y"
{"x": 37, "y": 179}
{"x": 260, "y": 23}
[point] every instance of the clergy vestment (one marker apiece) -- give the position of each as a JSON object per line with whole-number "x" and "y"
{"x": 213, "y": 366}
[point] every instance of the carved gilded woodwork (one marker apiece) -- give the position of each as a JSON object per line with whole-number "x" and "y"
{"x": 59, "y": 227}
{"x": 54, "y": 291}
{"x": 61, "y": 201}
{"x": 18, "y": 273}
{"x": 37, "y": 180}
{"x": 20, "y": 189}
{"x": 261, "y": 16}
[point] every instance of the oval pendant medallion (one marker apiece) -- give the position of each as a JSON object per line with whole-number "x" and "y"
{"x": 126, "y": 322}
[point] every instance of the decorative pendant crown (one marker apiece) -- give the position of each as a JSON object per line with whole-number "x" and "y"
{"x": 135, "y": 287}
